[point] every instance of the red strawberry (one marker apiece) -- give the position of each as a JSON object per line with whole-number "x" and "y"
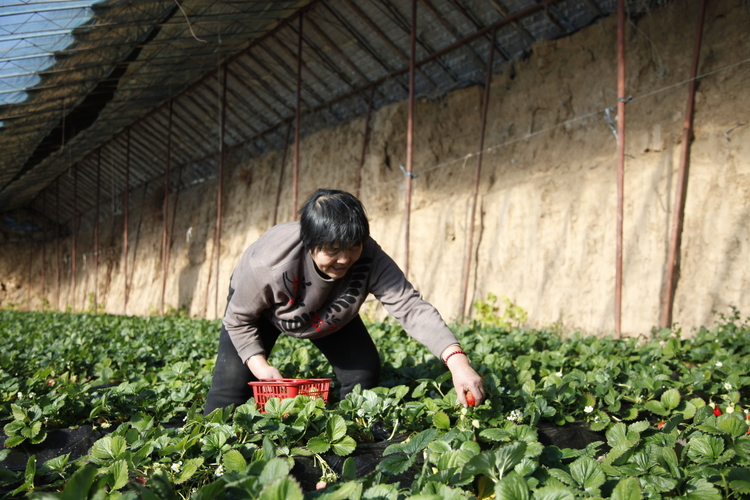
{"x": 717, "y": 411}
{"x": 660, "y": 424}
{"x": 470, "y": 399}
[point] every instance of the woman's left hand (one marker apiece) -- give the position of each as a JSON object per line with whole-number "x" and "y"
{"x": 465, "y": 379}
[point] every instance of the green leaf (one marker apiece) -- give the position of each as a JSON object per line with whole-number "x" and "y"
{"x": 439, "y": 447}
{"x": 272, "y": 406}
{"x": 455, "y": 458}
{"x": 142, "y": 422}
{"x": 670, "y": 399}
{"x": 703, "y": 448}
{"x": 441, "y": 421}
{"x": 119, "y": 471}
{"x": 80, "y": 483}
{"x": 636, "y": 428}
{"x": 553, "y": 493}
{"x": 492, "y": 435}
{"x": 318, "y": 444}
{"x": 381, "y": 492}
{"x": 617, "y": 435}
{"x": 57, "y": 463}
{"x": 38, "y": 438}
{"x": 109, "y": 447}
{"x": 562, "y": 476}
{"x": 526, "y": 467}
{"x": 14, "y": 427}
{"x": 284, "y": 488}
{"x": 660, "y": 484}
{"x": 667, "y": 458}
{"x": 495, "y": 463}
{"x": 700, "y": 489}
{"x": 275, "y": 468}
{"x": 588, "y": 473}
{"x": 190, "y": 467}
{"x": 739, "y": 480}
{"x": 512, "y": 487}
{"x": 395, "y": 464}
{"x": 629, "y": 414}
{"x": 656, "y": 407}
{"x": 301, "y": 356}
{"x": 734, "y": 427}
{"x": 627, "y": 489}
{"x": 211, "y": 491}
{"x": 710, "y": 429}
{"x": 31, "y": 431}
{"x": 18, "y": 412}
{"x": 161, "y": 486}
{"x": 343, "y": 491}
{"x": 420, "y": 441}
{"x": 349, "y": 470}
{"x": 14, "y": 441}
{"x": 344, "y": 446}
{"x": 335, "y": 428}
{"x": 234, "y": 461}
{"x": 687, "y": 409}
{"x": 30, "y": 471}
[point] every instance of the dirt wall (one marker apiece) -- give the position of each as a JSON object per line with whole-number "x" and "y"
{"x": 545, "y": 227}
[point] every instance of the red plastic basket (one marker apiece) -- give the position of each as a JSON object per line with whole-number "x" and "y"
{"x": 283, "y": 388}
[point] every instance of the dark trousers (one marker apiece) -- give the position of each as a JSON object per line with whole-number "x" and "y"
{"x": 350, "y": 351}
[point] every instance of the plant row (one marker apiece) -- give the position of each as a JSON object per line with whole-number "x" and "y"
{"x": 670, "y": 412}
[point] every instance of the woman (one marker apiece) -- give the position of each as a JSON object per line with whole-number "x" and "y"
{"x": 308, "y": 279}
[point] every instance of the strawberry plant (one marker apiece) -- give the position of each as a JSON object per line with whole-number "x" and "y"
{"x": 668, "y": 414}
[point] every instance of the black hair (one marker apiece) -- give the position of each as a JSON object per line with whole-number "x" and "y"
{"x": 332, "y": 217}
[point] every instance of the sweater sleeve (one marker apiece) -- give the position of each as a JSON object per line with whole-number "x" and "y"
{"x": 252, "y": 294}
{"x": 418, "y": 317}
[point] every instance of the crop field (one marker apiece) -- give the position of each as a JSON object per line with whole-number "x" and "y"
{"x": 110, "y": 407}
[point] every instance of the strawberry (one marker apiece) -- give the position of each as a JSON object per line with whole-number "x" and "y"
{"x": 321, "y": 485}
{"x": 470, "y": 399}
{"x": 660, "y": 424}
{"x": 717, "y": 411}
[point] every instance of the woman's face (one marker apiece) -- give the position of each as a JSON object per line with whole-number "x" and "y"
{"x": 334, "y": 261}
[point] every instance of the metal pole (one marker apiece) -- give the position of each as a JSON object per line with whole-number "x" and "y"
{"x": 75, "y": 240}
{"x": 410, "y": 133}
{"x": 477, "y": 175}
{"x": 125, "y": 225}
{"x": 297, "y": 120}
{"x": 174, "y": 215}
{"x": 281, "y": 175}
{"x": 220, "y": 191}
{"x": 30, "y": 278}
{"x": 165, "y": 233}
{"x": 44, "y": 246}
{"x": 620, "y": 160}
{"x": 365, "y": 140}
{"x": 57, "y": 245}
{"x": 682, "y": 180}
{"x": 96, "y": 229}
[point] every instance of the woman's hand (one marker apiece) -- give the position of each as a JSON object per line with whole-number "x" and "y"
{"x": 261, "y": 369}
{"x": 465, "y": 379}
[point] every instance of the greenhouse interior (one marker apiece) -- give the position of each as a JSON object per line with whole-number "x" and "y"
{"x": 565, "y": 182}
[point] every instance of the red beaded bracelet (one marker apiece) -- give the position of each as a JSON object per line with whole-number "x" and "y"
{"x": 451, "y": 354}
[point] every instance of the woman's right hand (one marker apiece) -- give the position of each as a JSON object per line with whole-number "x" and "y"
{"x": 261, "y": 369}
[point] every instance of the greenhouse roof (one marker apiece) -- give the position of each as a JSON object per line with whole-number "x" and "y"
{"x": 94, "y": 96}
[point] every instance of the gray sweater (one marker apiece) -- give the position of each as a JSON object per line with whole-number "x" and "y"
{"x": 276, "y": 279}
